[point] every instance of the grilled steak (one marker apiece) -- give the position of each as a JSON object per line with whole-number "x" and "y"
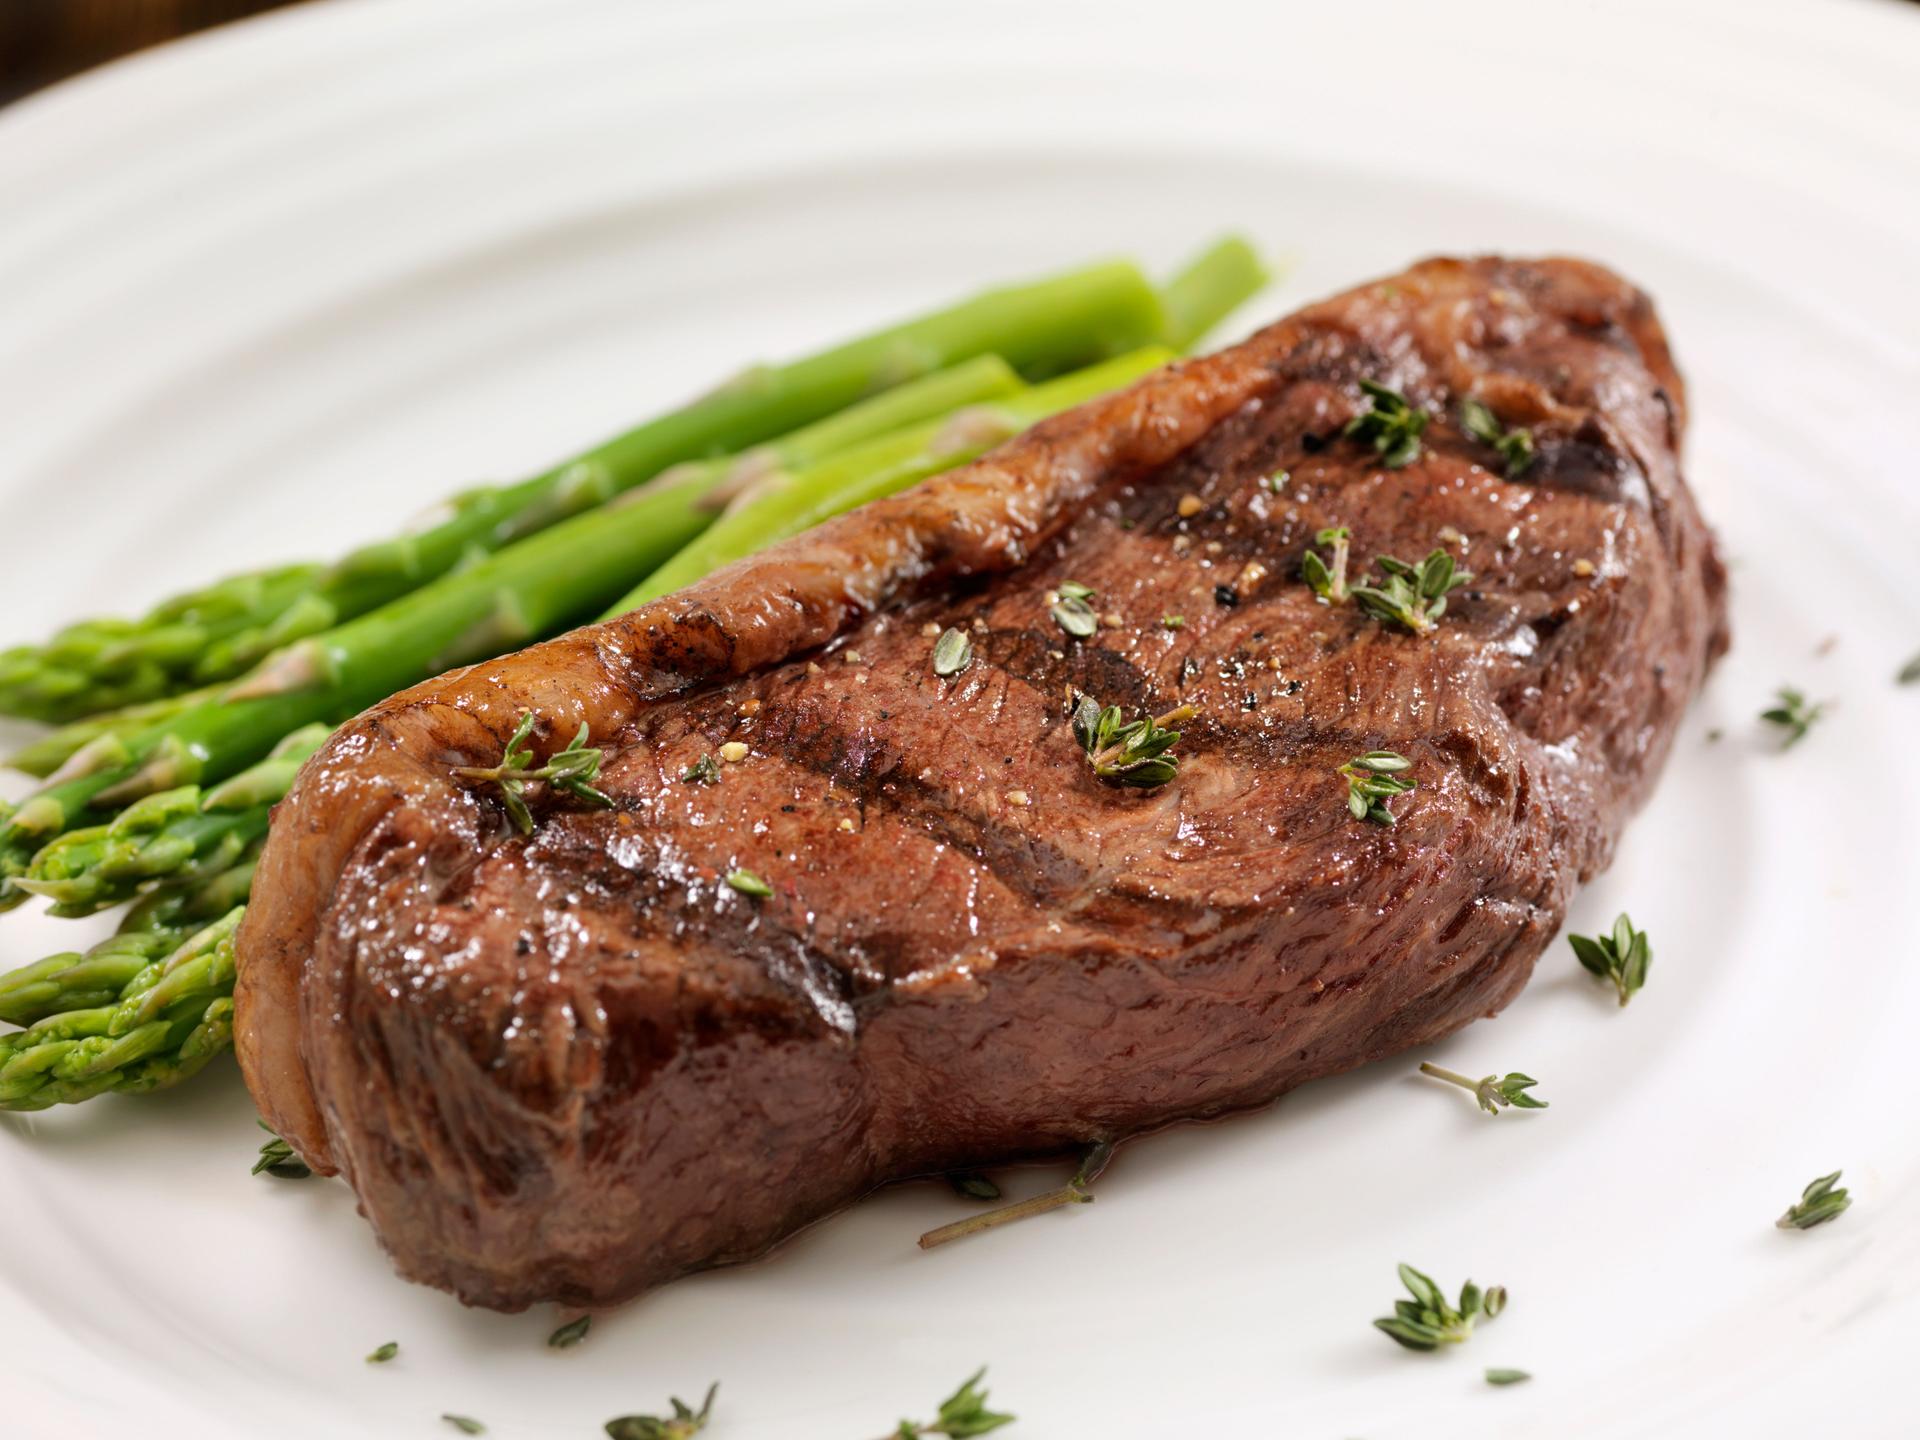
{"x": 573, "y": 1066}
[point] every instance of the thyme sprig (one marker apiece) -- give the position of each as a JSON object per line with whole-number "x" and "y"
{"x": 1427, "y": 1321}
{"x": 1515, "y": 445}
{"x": 1133, "y": 754}
{"x": 683, "y": 1422}
{"x": 1372, "y": 780}
{"x": 572, "y": 770}
{"x": 277, "y": 1158}
{"x": 1077, "y": 1191}
{"x": 1411, "y": 595}
{"x": 1818, "y": 1203}
{"x": 962, "y": 1414}
{"x": 1492, "y": 1091}
{"x": 1794, "y": 714}
{"x": 1622, "y": 957}
{"x": 1390, "y": 425}
{"x": 1328, "y": 577}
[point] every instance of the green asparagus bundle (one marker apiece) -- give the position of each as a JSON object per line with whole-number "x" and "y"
{"x": 1040, "y": 329}
{"x": 178, "y": 835}
{"x": 78, "y": 1044}
{"x": 190, "y": 854}
{"x": 170, "y": 1018}
{"x": 534, "y": 587}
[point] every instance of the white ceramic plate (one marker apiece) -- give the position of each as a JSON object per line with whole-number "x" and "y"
{"x": 266, "y": 293}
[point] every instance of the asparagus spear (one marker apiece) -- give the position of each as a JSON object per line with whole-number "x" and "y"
{"x": 1225, "y": 275}
{"x": 786, "y": 504}
{"x": 54, "y": 749}
{"x": 74, "y": 1053}
{"x": 75, "y": 981}
{"x": 169, "y": 1020}
{"x": 552, "y": 579}
{"x": 1040, "y": 328}
{"x": 981, "y": 378}
{"x": 182, "y": 834}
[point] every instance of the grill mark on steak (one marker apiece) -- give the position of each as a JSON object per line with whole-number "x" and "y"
{"x": 578, "y": 1065}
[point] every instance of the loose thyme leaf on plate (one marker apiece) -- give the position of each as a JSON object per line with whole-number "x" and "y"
{"x": 1794, "y": 714}
{"x": 1621, "y": 957}
{"x": 1492, "y": 1091}
{"x": 973, "y": 1185}
{"x": 1818, "y": 1203}
{"x": 1373, "y": 779}
{"x": 385, "y": 1353}
{"x": 1909, "y": 673}
{"x": 1391, "y": 426}
{"x": 952, "y": 652}
{"x": 1414, "y": 596}
{"x": 1507, "y": 1377}
{"x": 1328, "y": 578}
{"x": 683, "y": 1422}
{"x": 1133, "y": 754}
{"x": 1427, "y": 1321}
{"x": 1076, "y": 1191}
{"x": 571, "y": 1333}
{"x": 465, "y": 1424}
{"x": 963, "y": 1413}
{"x": 278, "y": 1160}
{"x": 1515, "y": 446}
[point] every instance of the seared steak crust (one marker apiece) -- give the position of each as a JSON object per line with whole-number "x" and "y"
{"x": 574, "y": 1066}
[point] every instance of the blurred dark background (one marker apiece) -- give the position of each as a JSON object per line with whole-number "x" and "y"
{"x": 42, "y": 41}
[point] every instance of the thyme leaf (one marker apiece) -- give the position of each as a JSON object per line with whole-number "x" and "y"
{"x": 683, "y": 1422}
{"x": 572, "y": 770}
{"x": 571, "y": 1333}
{"x": 952, "y": 652}
{"x": 1515, "y": 445}
{"x": 973, "y": 1185}
{"x": 1492, "y": 1091}
{"x": 1390, "y": 425}
{"x": 1794, "y": 714}
{"x": 745, "y": 882}
{"x": 1818, "y": 1203}
{"x": 278, "y": 1160}
{"x": 465, "y": 1424}
{"x": 1372, "y": 780}
{"x": 1427, "y": 1321}
{"x": 1328, "y": 577}
{"x": 1133, "y": 754}
{"x": 1622, "y": 956}
{"x": 1507, "y": 1377}
{"x": 385, "y": 1353}
{"x": 1411, "y": 595}
{"x": 704, "y": 771}
{"x": 962, "y": 1414}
